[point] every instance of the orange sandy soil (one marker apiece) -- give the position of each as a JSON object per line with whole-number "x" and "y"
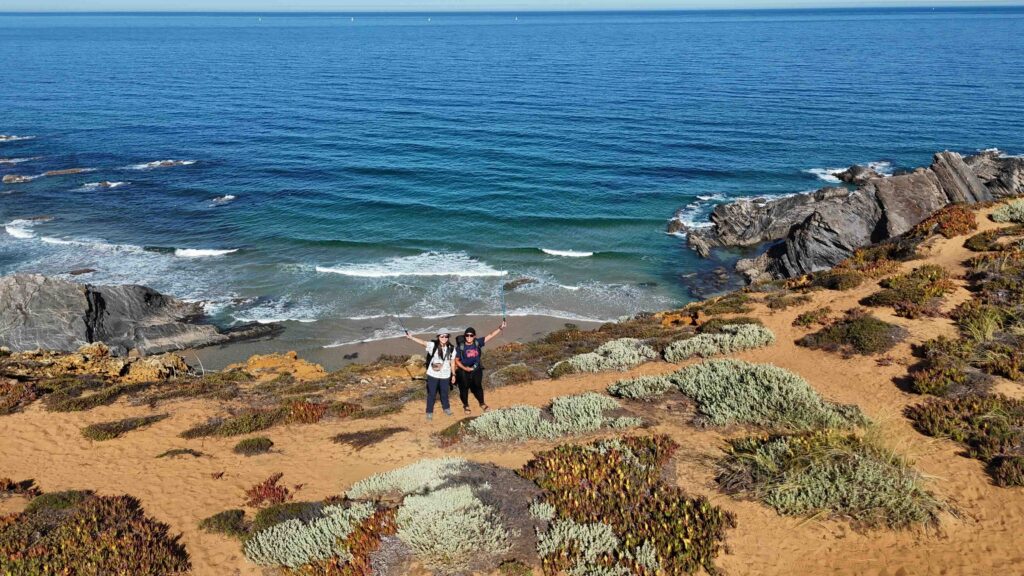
{"x": 983, "y": 537}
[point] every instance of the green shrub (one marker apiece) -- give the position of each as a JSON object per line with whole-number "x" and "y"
{"x": 253, "y": 446}
{"x": 914, "y": 294}
{"x": 979, "y": 322}
{"x": 244, "y": 423}
{"x": 89, "y": 535}
{"x": 734, "y": 303}
{"x": 731, "y": 339}
{"x": 641, "y": 388}
{"x": 55, "y": 501}
{"x": 294, "y": 543}
{"x": 841, "y": 474}
{"x": 278, "y": 513}
{"x": 736, "y": 392}
{"x": 841, "y": 280}
{"x": 229, "y": 523}
{"x": 571, "y": 415}
{"x": 813, "y": 317}
{"x": 513, "y": 374}
{"x": 944, "y": 368}
{"x": 450, "y": 528}
{"x": 1012, "y": 211}
{"x": 857, "y": 333}
{"x": 620, "y": 354}
{"x": 717, "y": 325}
{"x": 117, "y": 428}
{"x": 784, "y": 301}
{"x": 984, "y": 241}
{"x": 1007, "y": 470}
{"x": 991, "y": 427}
{"x": 614, "y": 514}
{"x": 365, "y": 438}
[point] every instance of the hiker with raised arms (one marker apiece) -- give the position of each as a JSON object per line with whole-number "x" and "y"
{"x": 440, "y": 369}
{"x": 469, "y": 369}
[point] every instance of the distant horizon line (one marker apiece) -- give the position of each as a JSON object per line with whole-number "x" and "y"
{"x": 914, "y": 8}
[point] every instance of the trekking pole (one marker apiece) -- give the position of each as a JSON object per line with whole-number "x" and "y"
{"x": 502, "y": 302}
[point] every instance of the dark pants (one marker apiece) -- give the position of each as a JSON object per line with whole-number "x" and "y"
{"x": 435, "y": 385}
{"x": 471, "y": 382}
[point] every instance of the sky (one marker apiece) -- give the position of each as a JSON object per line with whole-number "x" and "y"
{"x": 455, "y": 5}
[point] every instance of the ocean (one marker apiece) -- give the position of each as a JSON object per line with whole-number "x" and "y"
{"x": 350, "y": 174}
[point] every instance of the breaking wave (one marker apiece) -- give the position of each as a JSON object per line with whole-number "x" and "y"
{"x": 425, "y": 264}
{"x": 160, "y": 164}
{"x": 566, "y": 253}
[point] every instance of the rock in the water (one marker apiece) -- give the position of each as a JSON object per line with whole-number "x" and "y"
{"x": 66, "y": 171}
{"x": 16, "y": 179}
{"x": 54, "y": 314}
{"x": 857, "y": 174}
{"x": 818, "y": 230}
{"x": 80, "y": 271}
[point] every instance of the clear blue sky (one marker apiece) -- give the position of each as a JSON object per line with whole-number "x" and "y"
{"x": 448, "y": 5}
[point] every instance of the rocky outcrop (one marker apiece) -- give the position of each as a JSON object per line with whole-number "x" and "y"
{"x": 16, "y": 179}
{"x": 54, "y": 314}
{"x": 816, "y": 231}
{"x": 857, "y": 174}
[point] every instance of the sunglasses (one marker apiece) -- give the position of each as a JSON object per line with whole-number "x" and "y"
{"x": 470, "y": 335}
{"x": 444, "y": 336}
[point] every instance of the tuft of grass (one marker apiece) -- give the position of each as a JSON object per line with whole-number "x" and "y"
{"x": 857, "y": 333}
{"x": 915, "y": 294}
{"x": 117, "y": 428}
{"x": 841, "y": 474}
{"x": 175, "y": 452}
{"x": 253, "y": 446}
{"x": 229, "y": 523}
{"x": 367, "y": 438}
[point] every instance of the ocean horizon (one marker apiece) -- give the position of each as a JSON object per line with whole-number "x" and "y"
{"x": 353, "y": 173}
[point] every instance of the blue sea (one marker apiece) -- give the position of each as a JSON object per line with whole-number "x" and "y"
{"x": 354, "y": 172}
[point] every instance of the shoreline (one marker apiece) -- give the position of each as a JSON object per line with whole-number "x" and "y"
{"x": 304, "y": 338}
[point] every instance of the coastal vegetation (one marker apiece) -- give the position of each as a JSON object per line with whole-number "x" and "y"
{"x": 857, "y": 332}
{"x": 117, "y": 428}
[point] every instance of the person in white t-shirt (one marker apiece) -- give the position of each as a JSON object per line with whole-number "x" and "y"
{"x": 440, "y": 369}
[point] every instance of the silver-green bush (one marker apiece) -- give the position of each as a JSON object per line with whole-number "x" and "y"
{"x": 293, "y": 543}
{"x": 542, "y": 510}
{"x": 591, "y": 540}
{"x": 571, "y": 415}
{"x": 733, "y": 338}
{"x": 451, "y": 528}
{"x": 736, "y": 392}
{"x": 421, "y": 476}
{"x": 620, "y": 354}
{"x": 1011, "y": 212}
{"x": 641, "y": 387}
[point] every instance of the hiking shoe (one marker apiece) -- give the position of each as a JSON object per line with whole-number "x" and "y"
{"x": 447, "y": 412}
{"x": 430, "y": 416}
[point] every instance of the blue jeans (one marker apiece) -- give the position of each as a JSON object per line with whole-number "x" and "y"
{"x": 433, "y": 386}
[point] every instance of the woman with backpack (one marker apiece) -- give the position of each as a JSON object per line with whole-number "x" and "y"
{"x": 469, "y": 369}
{"x": 440, "y": 369}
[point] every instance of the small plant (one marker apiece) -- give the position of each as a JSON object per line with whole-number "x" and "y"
{"x": 117, "y": 428}
{"x": 268, "y": 492}
{"x": 841, "y": 280}
{"x": 731, "y": 339}
{"x": 1012, "y": 211}
{"x": 244, "y": 423}
{"x": 841, "y": 474}
{"x": 367, "y": 438}
{"x": 857, "y": 333}
{"x": 229, "y": 523}
{"x": 914, "y": 294}
{"x": 620, "y": 354}
{"x": 813, "y": 317}
{"x": 253, "y": 446}
{"x": 175, "y": 452}
{"x": 951, "y": 221}
{"x": 783, "y": 301}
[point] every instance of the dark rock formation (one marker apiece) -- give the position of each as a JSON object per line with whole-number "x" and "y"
{"x": 54, "y": 314}
{"x": 818, "y": 230}
{"x": 857, "y": 174}
{"x": 16, "y": 179}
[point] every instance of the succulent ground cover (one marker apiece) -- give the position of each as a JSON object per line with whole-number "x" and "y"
{"x": 840, "y": 474}
{"x": 820, "y": 316}
{"x": 735, "y": 392}
{"x": 918, "y": 293}
{"x": 990, "y": 426}
{"x": 951, "y": 221}
{"x": 610, "y": 512}
{"x": 82, "y": 533}
{"x": 253, "y": 446}
{"x": 857, "y": 332}
{"x": 117, "y": 428}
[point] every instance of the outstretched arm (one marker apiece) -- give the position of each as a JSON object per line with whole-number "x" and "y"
{"x": 415, "y": 339}
{"x": 496, "y": 331}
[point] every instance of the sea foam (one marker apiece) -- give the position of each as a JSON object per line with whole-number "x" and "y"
{"x": 20, "y": 228}
{"x": 160, "y": 164}
{"x": 425, "y": 264}
{"x": 201, "y": 252}
{"x": 566, "y": 253}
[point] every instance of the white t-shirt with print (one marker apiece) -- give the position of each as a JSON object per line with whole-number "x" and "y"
{"x": 445, "y": 372}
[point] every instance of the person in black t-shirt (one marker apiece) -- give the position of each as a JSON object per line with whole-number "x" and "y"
{"x": 469, "y": 373}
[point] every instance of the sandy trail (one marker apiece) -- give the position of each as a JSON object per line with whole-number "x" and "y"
{"x": 983, "y": 539}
